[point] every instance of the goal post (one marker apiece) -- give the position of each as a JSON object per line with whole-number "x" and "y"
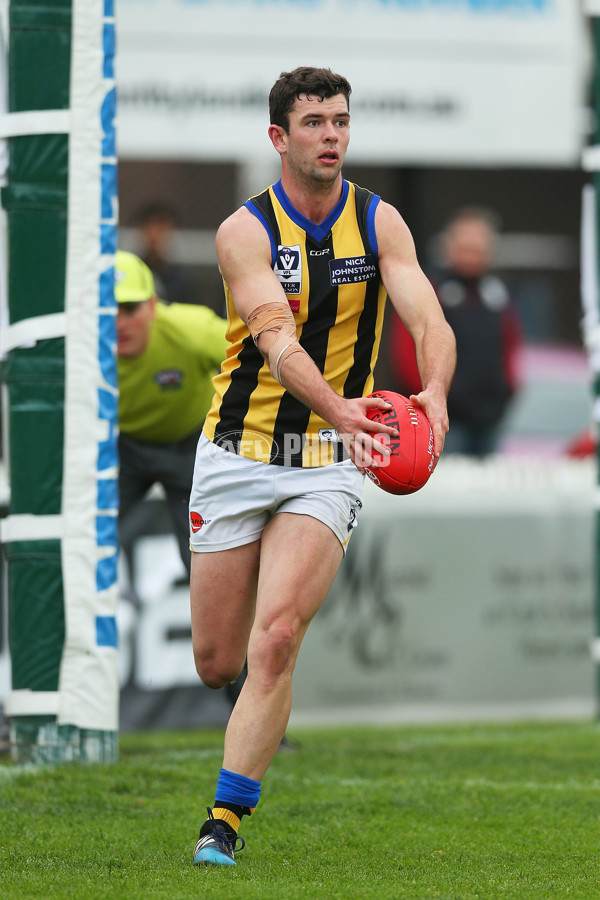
{"x": 59, "y": 369}
{"x": 590, "y": 293}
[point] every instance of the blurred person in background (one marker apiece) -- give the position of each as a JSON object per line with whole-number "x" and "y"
{"x": 167, "y": 356}
{"x": 156, "y": 224}
{"x": 478, "y": 306}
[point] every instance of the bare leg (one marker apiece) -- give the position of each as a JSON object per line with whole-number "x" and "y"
{"x": 223, "y": 596}
{"x": 299, "y": 558}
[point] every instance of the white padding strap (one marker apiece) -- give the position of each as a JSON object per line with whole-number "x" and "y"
{"x": 590, "y": 159}
{"x": 595, "y": 650}
{"x": 50, "y": 121}
{"x": 32, "y": 703}
{"x": 27, "y": 527}
{"x": 592, "y": 338}
{"x": 29, "y": 331}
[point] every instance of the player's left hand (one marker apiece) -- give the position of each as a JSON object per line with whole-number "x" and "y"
{"x": 433, "y": 405}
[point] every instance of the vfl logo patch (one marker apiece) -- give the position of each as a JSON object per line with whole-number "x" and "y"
{"x": 288, "y": 268}
{"x": 328, "y": 435}
{"x": 352, "y": 269}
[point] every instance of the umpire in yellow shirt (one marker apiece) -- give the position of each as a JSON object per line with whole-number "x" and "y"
{"x": 167, "y": 356}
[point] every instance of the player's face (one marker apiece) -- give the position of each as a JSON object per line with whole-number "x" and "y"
{"x": 469, "y": 248}
{"x": 134, "y": 326}
{"x": 157, "y": 233}
{"x": 318, "y": 138}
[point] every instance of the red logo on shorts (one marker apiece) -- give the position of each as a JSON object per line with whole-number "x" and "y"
{"x": 196, "y": 521}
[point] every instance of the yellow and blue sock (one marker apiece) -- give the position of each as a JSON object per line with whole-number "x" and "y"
{"x": 236, "y": 796}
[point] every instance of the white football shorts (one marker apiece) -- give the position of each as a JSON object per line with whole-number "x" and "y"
{"x": 233, "y": 497}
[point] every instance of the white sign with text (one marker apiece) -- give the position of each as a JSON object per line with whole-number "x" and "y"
{"x": 434, "y": 81}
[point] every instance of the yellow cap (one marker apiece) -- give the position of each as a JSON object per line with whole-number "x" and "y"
{"x": 134, "y": 281}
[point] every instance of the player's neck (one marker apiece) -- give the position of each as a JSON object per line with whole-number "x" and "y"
{"x": 314, "y": 201}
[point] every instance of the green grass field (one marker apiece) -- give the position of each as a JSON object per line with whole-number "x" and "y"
{"x": 437, "y": 811}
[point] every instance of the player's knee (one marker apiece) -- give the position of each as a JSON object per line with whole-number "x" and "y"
{"x": 214, "y": 672}
{"x": 279, "y": 646}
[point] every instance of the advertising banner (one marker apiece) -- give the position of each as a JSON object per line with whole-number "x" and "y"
{"x": 474, "y": 82}
{"x": 450, "y": 606}
{"x": 471, "y": 598}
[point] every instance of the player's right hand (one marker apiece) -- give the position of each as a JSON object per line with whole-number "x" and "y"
{"x": 358, "y": 433}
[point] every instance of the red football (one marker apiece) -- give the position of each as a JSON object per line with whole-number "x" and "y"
{"x": 411, "y": 458}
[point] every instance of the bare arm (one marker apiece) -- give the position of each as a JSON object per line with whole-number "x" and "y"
{"x": 244, "y": 255}
{"x": 415, "y": 302}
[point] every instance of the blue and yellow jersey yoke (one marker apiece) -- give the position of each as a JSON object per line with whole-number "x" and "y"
{"x": 331, "y": 278}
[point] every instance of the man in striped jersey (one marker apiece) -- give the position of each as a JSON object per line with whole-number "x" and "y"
{"x": 307, "y": 266}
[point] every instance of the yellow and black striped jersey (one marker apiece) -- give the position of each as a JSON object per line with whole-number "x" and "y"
{"x": 330, "y": 274}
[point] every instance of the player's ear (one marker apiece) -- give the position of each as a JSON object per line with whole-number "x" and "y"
{"x": 278, "y": 136}
{"x": 153, "y": 301}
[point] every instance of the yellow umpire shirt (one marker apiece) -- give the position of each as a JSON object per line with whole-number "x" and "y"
{"x": 165, "y": 393}
{"x": 330, "y": 275}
